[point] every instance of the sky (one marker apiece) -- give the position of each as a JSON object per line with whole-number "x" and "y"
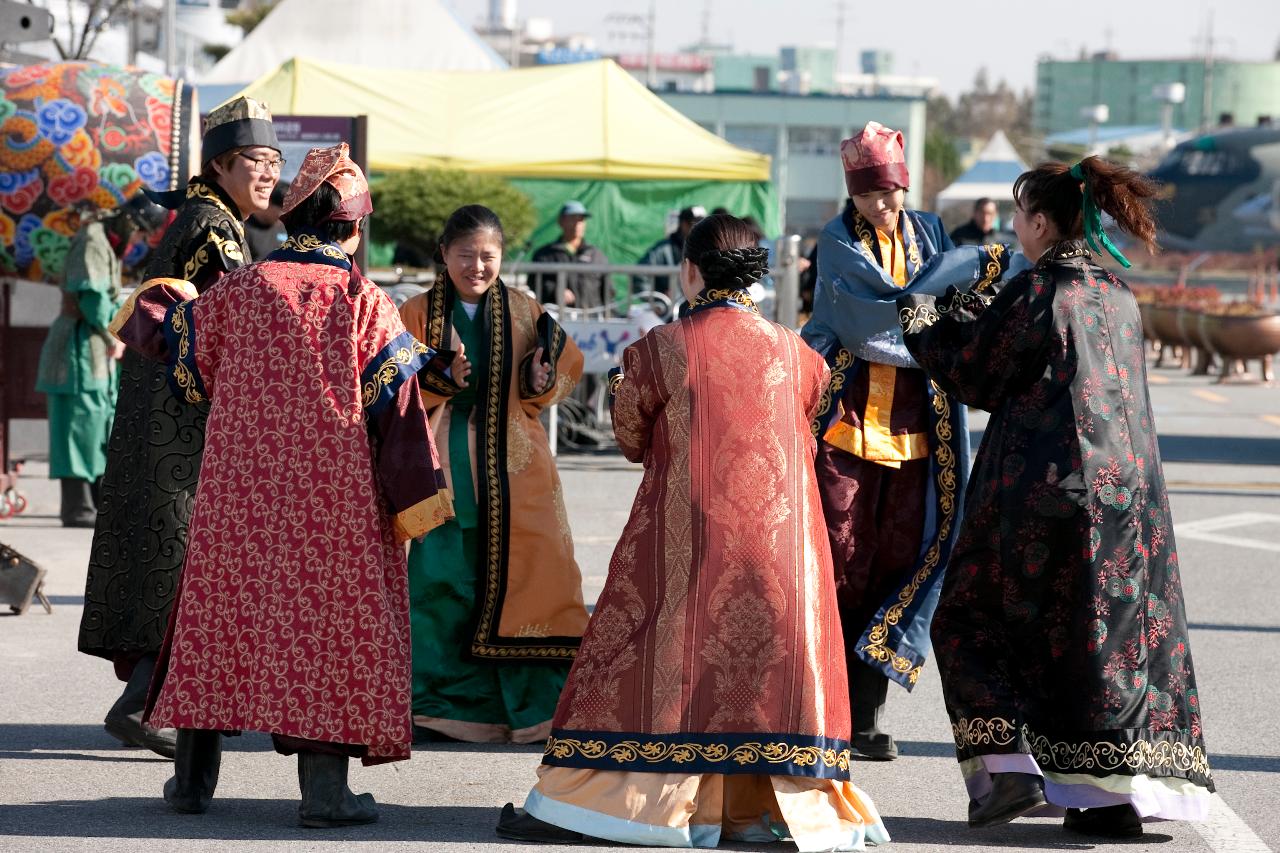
{"x": 945, "y": 40}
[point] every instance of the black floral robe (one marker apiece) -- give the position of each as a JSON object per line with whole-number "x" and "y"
{"x": 1061, "y": 631}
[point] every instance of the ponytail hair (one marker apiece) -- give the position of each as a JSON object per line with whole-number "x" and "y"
{"x": 1126, "y": 195}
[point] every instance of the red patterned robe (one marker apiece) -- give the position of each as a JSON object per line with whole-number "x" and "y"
{"x": 710, "y": 686}
{"x": 293, "y": 612}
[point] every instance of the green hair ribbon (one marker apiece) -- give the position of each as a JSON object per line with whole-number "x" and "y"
{"x": 1093, "y": 230}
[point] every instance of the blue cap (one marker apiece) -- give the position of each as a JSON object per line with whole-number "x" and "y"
{"x": 574, "y": 208}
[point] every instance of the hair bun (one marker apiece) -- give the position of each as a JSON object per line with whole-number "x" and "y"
{"x": 733, "y": 268}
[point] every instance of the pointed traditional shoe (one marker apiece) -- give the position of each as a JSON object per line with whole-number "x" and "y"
{"x": 522, "y": 826}
{"x": 196, "y": 761}
{"x": 878, "y": 746}
{"x": 1106, "y": 822}
{"x": 326, "y": 800}
{"x": 1012, "y": 795}
{"x": 130, "y": 730}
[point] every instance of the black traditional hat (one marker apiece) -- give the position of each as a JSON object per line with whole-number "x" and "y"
{"x": 239, "y": 123}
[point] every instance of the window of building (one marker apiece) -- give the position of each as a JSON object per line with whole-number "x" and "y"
{"x": 817, "y": 141}
{"x": 762, "y": 138}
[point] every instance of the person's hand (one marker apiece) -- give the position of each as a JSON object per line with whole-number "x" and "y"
{"x": 460, "y": 369}
{"x": 539, "y": 373}
{"x": 569, "y": 298}
{"x": 117, "y": 350}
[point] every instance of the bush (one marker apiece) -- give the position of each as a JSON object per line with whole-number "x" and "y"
{"x": 411, "y": 207}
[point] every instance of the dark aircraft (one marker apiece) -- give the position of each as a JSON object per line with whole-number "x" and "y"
{"x": 1222, "y": 192}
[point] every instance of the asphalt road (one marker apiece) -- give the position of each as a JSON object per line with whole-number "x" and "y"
{"x": 64, "y": 785}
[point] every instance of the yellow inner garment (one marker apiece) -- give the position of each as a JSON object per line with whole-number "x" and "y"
{"x": 875, "y": 441}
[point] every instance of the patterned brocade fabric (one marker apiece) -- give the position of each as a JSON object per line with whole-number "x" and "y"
{"x": 154, "y": 453}
{"x": 1061, "y": 631}
{"x": 715, "y": 646}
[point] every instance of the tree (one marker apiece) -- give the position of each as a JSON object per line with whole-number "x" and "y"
{"x": 247, "y": 19}
{"x": 250, "y": 15}
{"x": 411, "y": 207}
{"x": 81, "y": 38}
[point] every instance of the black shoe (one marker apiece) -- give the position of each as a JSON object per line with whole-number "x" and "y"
{"x": 195, "y": 771}
{"x": 78, "y": 508}
{"x": 130, "y": 730}
{"x": 1012, "y": 795}
{"x": 522, "y": 826}
{"x": 1106, "y": 822}
{"x": 326, "y": 800}
{"x": 878, "y": 746}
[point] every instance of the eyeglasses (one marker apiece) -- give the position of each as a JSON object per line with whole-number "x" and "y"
{"x": 263, "y": 165}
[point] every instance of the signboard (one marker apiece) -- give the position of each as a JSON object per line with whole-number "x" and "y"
{"x": 566, "y": 56}
{"x": 691, "y": 63}
{"x": 299, "y": 134}
{"x": 602, "y": 341}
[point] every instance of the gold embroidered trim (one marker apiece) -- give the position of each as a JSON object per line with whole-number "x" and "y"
{"x": 424, "y": 516}
{"x": 388, "y": 370}
{"x": 185, "y": 289}
{"x": 199, "y": 189}
{"x": 917, "y": 318}
{"x": 615, "y": 382}
{"x": 878, "y": 637}
{"x": 228, "y": 248}
{"x": 181, "y": 373}
{"x": 725, "y": 294}
{"x": 681, "y": 752}
{"x": 1138, "y": 757}
{"x": 843, "y": 360}
{"x": 312, "y": 243}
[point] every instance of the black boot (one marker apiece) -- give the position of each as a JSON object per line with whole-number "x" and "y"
{"x": 1106, "y": 822}
{"x": 195, "y": 771}
{"x": 1012, "y": 795}
{"x": 868, "y": 690}
{"x": 78, "y": 508}
{"x": 326, "y": 799}
{"x": 522, "y": 826}
{"x": 124, "y": 720}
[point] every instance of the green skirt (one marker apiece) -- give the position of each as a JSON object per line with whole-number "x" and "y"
{"x": 79, "y": 426}
{"x": 453, "y": 694}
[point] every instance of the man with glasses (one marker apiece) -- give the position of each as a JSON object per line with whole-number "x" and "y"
{"x": 153, "y": 455}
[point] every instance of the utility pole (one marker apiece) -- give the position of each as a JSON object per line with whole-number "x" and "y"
{"x": 653, "y": 56}
{"x": 1206, "y": 99}
{"x": 170, "y": 38}
{"x": 839, "y": 34}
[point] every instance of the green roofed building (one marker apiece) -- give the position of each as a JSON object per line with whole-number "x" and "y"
{"x": 1247, "y": 91}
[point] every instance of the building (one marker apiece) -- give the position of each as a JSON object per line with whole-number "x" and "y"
{"x": 802, "y": 134}
{"x": 1247, "y": 91}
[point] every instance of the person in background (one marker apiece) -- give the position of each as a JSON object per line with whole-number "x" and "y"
{"x": 77, "y": 369}
{"x": 263, "y": 230}
{"x": 581, "y": 290}
{"x": 1061, "y": 632}
{"x": 981, "y": 227}
{"x": 495, "y": 594}
{"x": 293, "y": 619}
{"x": 893, "y": 452}
{"x": 669, "y": 251}
{"x": 153, "y": 455}
{"x": 716, "y": 642}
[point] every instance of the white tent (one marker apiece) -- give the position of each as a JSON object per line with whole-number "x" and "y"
{"x": 991, "y": 176}
{"x": 422, "y": 35}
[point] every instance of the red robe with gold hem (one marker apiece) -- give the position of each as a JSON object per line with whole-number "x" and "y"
{"x": 293, "y": 612}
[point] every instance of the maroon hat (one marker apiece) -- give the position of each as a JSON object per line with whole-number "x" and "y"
{"x": 874, "y": 160}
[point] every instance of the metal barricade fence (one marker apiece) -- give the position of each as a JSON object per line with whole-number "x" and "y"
{"x": 603, "y": 332}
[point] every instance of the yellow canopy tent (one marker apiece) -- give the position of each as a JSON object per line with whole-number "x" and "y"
{"x": 587, "y": 131}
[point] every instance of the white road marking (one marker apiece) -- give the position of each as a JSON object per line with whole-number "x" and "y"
{"x": 1206, "y": 530}
{"x": 1225, "y": 832}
